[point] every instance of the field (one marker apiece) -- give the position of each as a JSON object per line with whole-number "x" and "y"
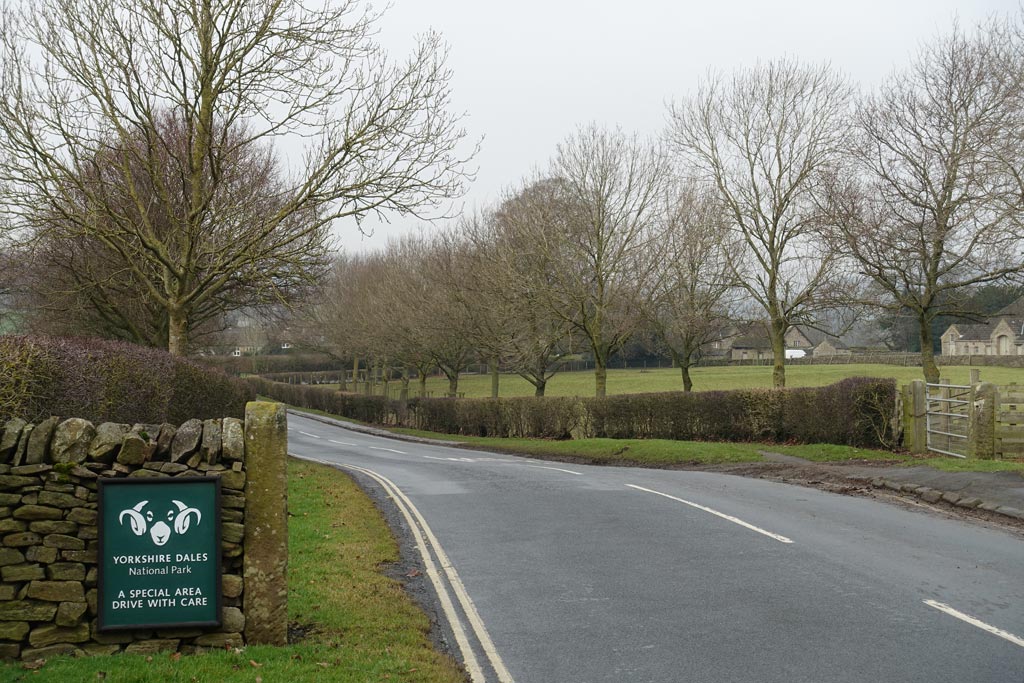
{"x": 632, "y": 381}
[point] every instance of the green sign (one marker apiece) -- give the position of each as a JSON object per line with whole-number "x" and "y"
{"x": 159, "y": 552}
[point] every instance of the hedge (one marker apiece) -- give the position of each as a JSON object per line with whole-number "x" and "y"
{"x": 371, "y": 409}
{"x": 109, "y": 381}
{"x": 258, "y": 365}
{"x": 853, "y": 412}
{"x": 318, "y": 377}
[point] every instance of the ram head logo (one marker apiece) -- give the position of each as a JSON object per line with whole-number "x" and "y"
{"x": 178, "y": 520}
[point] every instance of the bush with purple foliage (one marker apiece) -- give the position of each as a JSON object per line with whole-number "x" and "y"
{"x": 109, "y": 381}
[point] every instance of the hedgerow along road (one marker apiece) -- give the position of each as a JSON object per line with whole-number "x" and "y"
{"x": 546, "y": 571}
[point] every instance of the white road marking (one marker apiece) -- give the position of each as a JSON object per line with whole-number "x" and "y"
{"x": 469, "y": 658}
{"x": 312, "y": 435}
{"x": 341, "y": 443}
{"x": 557, "y": 469}
{"x": 431, "y": 457}
{"x": 1005, "y": 635}
{"x": 734, "y": 520}
{"x": 390, "y": 450}
{"x": 453, "y": 577}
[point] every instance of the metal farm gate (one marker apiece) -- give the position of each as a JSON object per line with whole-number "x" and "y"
{"x": 948, "y": 418}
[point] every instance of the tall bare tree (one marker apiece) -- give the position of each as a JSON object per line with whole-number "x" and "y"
{"x": 932, "y": 203}
{"x": 603, "y": 247}
{"x": 695, "y": 299}
{"x": 446, "y": 312}
{"x": 337, "y": 316}
{"x": 514, "y": 322}
{"x": 121, "y": 121}
{"x": 765, "y": 138}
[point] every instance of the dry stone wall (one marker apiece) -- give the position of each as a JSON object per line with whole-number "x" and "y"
{"x": 49, "y": 528}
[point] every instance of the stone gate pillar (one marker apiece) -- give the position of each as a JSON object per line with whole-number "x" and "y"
{"x": 266, "y": 524}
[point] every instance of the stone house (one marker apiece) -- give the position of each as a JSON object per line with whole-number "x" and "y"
{"x": 1002, "y": 334}
{"x": 750, "y": 341}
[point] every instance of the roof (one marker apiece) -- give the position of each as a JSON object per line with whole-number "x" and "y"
{"x": 749, "y": 336}
{"x": 751, "y": 341}
{"x": 1013, "y": 310}
{"x": 974, "y": 331}
{"x": 817, "y": 337}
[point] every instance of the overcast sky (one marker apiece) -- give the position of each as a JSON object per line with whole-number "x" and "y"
{"x": 527, "y": 73}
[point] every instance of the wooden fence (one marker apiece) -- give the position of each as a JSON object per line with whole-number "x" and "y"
{"x": 1009, "y": 418}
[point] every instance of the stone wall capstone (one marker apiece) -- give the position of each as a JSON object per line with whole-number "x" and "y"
{"x": 49, "y": 529}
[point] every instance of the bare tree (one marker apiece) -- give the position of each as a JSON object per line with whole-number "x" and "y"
{"x": 122, "y": 122}
{"x": 602, "y": 249}
{"x": 932, "y": 204}
{"x": 446, "y": 317}
{"x": 8, "y": 267}
{"x": 694, "y": 301}
{"x": 348, "y": 316}
{"x": 396, "y": 309}
{"x": 513, "y": 279}
{"x": 764, "y": 138}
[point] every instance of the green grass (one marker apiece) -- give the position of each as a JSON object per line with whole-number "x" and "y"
{"x": 658, "y": 452}
{"x": 825, "y": 452}
{"x": 363, "y": 626}
{"x": 630, "y": 381}
{"x": 970, "y": 465}
{"x": 662, "y": 453}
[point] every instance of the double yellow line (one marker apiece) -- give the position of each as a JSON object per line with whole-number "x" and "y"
{"x": 429, "y": 549}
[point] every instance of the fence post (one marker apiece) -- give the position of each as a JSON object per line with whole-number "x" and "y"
{"x": 266, "y": 524}
{"x": 981, "y": 438}
{"x": 915, "y": 437}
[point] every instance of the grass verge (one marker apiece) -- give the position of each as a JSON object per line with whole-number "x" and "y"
{"x": 661, "y": 452}
{"x": 658, "y": 452}
{"x": 360, "y": 625}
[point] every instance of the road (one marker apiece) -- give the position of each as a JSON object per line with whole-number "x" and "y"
{"x": 570, "y": 573}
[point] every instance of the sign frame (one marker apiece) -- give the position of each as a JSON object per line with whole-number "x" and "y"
{"x": 103, "y": 484}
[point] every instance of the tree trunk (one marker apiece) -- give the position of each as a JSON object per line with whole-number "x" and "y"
{"x": 403, "y": 396}
{"x": 778, "y": 338}
{"x": 600, "y": 377}
{"x": 684, "y": 361}
{"x": 495, "y": 378}
{"x": 931, "y": 370}
{"x": 177, "y": 332}
{"x": 453, "y": 385}
{"x": 423, "y": 383}
{"x": 539, "y": 386}
{"x": 687, "y": 382}
{"x": 355, "y": 374}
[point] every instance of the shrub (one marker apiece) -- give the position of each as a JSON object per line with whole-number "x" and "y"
{"x": 111, "y": 381}
{"x": 853, "y": 412}
{"x": 259, "y": 365}
{"x": 372, "y": 409}
{"x": 318, "y": 377}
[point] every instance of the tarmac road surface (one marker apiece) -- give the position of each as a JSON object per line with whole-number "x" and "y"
{"x": 554, "y": 573}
